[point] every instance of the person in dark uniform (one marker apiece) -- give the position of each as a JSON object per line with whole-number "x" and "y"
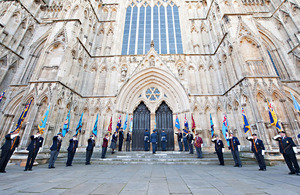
{"x": 90, "y": 149}
{"x": 55, "y": 148}
{"x": 219, "y": 147}
{"x": 179, "y": 140}
{"x": 12, "y": 141}
{"x": 104, "y": 145}
{"x": 154, "y": 138}
{"x": 146, "y": 140}
{"x": 190, "y": 140}
{"x": 33, "y": 148}
{"x": 163, "y": 140}
{"x": 113, "y": 144}
{"x": 185, "y": 143}
{"x": 72, "y": 150}
{"x": 121, "y": 138}
{"x": 235, "y": 148}
{"x": 198, "y": 145}
{"x": 128, "y": 139}
{"x": 288, "y": 149}
{"x": 258, "y": 148}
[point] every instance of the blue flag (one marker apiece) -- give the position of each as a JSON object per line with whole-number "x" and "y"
{"x": 212, "y": 127}
{"x": 125, "y": 123}
{"x": 95, "y": 127}
{"x": 296, "y": 105}
{"x": 22, "y": 118}
{"x": 246, "y": 124}
{"x": 225, "y": 129}
{"x": 66, "y": 125}
{"x": 177, "y": 124}
{"x": 131, "y": 125}
{"x": 273, "y": 118}
{"x": 118, "y": 124}
{"x": 43, "y": 122}
{"x": 79, "y": 126}
{"x": 186, "y": 126}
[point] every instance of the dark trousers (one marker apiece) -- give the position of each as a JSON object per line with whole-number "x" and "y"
{"x": 104, "y": 149}
{"x": 220, "y": 157}
{"x": 70, "y": 158}
{"x": 186, "y": 146}
{"x": 30, "y": 159}
{"x": 191, "y": 148}
{"x": 260, "y": 160}
{"x": 146, "y": 145}
{"x": 153, "y": 148}
{"x": 180, "y": 146}
{"x": 120, "y": 145}
{"x": 291, "y": 162}
{"x": 5, "y": 156}
{"x": 127, "y": 145}
{"x": 89, "y": 154}
{"x": 199, "y": 152}
{"x": 236, "y": 157}
{"x": 53, "y": 157}
{"x": 164, "y": 146}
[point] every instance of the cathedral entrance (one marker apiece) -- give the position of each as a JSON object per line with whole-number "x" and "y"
{"x": 141, "y": 122}
{"x": 164, "y": 120}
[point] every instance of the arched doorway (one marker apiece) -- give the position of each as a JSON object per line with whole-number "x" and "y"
{"x": 141, "y": 121}
{"x": 164, "y": 120}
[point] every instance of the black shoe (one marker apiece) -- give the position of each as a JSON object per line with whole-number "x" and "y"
{"x": 52, "y": 167}
{"x": 260, "y": 169}
{"x": 26, "y": 169}
{"x": 236, "y": 165}
{"x": 2, "y": 171}
{"x": 292, "y": 173}
{"x": 29, "y": 169}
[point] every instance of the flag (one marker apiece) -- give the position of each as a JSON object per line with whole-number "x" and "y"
{"x": 212, "y": 127}
{"x": 110, "y": 126}
{"x": 273, "y": 117}
{"x": 1, "y": 96}
{"x": 131, "y": 125}
{"x": 66, "y": 125}
{"x": 225, "y": 129}
{"x": 186, "y": 125}
{"x": 79, "y": 126}
{"x": 118, "y": 124}
{"x": 155, "y": 123}
{"x": 177, "y": 124}
{"x": 296, "y": 105}
{"x": 125, "y": 123}
{"x": 245, "y": 121}
{"x": 22, "y": 118}
{"x": 193, "y": 124}
{"x": 95, "y": 127}
{"x": 42, "y": 124}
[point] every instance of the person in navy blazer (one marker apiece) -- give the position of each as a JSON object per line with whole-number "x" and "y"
{"x": 288, "y": 149}
{"x": 55, "y": 148}
{"x": 12, "y": 141}
{"x": 90, "y": 149}
{"x": 219, "y": 148}
{"x": 234, "y": 146}
{"x": 72, "y": 150}
{"x": 154, "y": 138}
{"x": 33, "y": 148}
{"x": 258, "y": 148}
{"x": 146, "y": 140}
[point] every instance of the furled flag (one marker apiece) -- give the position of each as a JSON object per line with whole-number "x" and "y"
{"x": 125, "y": 123}
{"x": 193, "y": 124}
{"x": 66, "y": 125}
{"x": 296, "y": 105}
{"x": 155, "y": 123}
{"x": 131, "y": 125}
{"x": 245, "y": 121}
{"x": 212, "y": 127}
{"x": 1, "y": 96}
{"x": 186, "y": 125}
{"x": 79, "y": 126}
{"x": 43, "y": 122}
{"x": 177, "y": 124}
{"x": 22, "y": 118}
{"x": 118, "y": 124}
{"x": 273, "y": 117}
{"x": 110, "y": 126}
{"x": 225, "y": 129}
{"x": 95, "y": 127}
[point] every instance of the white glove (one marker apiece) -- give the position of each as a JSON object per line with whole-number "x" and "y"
{"x": 249, "y": 138}
{"x": 223, "y": 150}
{"x": 229, "y": 137}
{"x": 239, "y": 147}
{"x": 263, "y": 152}
{"x": 295, "y": 150}
{"x": 276, "y": 137}
{"x": 74, "y": 138}
{"x": 192, "y": 142}
{"x": 201, "y": 145}
{"x": 35, "y": 136}
{"x": 213, "y": 139}
{"x": 12, "y": 136}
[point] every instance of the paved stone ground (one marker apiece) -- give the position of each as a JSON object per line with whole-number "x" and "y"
{"x": 149, "y": 179}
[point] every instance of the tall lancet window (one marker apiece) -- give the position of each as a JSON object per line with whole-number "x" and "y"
{"x": 158, "y": 22}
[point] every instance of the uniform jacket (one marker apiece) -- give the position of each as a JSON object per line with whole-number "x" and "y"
{"x": 286, "y": 145}
{"x": 163, "y": 137}
{"x": 105, "y": 143}
{"x": 154, "y": 138}
{"x": 259, "y": 145}
{"x": 9, "y": 142}
{"x": 91, "y": 144}
{"x": 146, "y": 136}
{"x": 190, "y": 138}
{"x": 114, "y": 138}
{"x": 73, "y": 145}
{"x": 218, "y": 145}
{"x": 35, "y": 143}
{"x": 56, "y": 144}
{"x": 198, "y": 142}
{"x": 179, "y": 137}
{"x": 121, "y": 135}
{"x": 128, "y": 138}
{"x": 234, "y": 142}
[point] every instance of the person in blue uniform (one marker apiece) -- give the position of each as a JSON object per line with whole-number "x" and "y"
{"x": 219, "y": 148}
{"x": 258, "y": 148}
{"x": 234, "y": 146}
{"x": 72, "y": 150}
{"x": 163, "y": 140}
{"x": 146, "y": 140}
{"x": 179, "y": 140}
{"x": 190, "y": 140}
{"x": 33, "y": 148}
{"x": 154, "y": 138}
{"x": 121, "y": 138}
{"x": 288, "y": 149}
{"x": 185, "y": 143}
{"x": 90, "y": 149}
{"x": 55, "y": 148}
{"x": 128, "y": 140}
{"x": 12, "y": 141}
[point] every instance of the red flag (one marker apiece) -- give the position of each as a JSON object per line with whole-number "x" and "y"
{"x": 193, "y": 124}
{"x": 110, "y": 125}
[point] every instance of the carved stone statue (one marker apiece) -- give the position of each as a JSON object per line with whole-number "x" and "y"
{"x": 180, "y": 71}
{"x": 124, "y": 71}
{"x": 152, "y": 62}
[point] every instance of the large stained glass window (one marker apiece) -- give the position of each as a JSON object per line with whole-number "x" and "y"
{"x": 159, "y": 23}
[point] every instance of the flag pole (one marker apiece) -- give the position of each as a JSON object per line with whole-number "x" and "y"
{"x": 253, "y": 140}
